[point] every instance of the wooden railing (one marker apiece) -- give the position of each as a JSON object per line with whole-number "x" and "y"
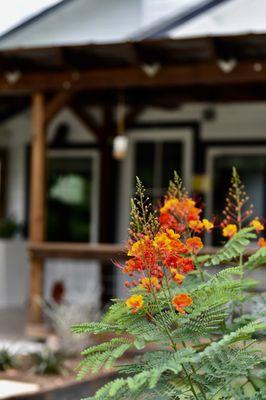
{"x": 78, "y": 251}
{"x": 86, "y": 251}
{"x": 104, "y": 252}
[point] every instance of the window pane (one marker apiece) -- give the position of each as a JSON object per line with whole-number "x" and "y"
{"x": 172, "y": 161}
{"x": 144, "y": 166}
{"x": 252, "y": 170}
{"x": 69, "y": 197}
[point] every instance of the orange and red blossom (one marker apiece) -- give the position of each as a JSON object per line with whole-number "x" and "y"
{"x": 150, "y": 283}
{"x": 168, "y": 242}
{"x": 262, "y": 242}
{"x": 208, "y": 225}
{"x": 229, "y": 230}
{"x": 180, "y": 301}
{"x": 194, "y": 244}
{"x": 196, "y": 226}
{"x": 139, "y": 246}
{"x": 134, "y": 303}
{"x": 177, "y": 277}
{"x": 177, "y": 213}
{"x": 257, "y": 225}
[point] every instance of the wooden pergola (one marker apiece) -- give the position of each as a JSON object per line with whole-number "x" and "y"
{"x": 161, "y": 73}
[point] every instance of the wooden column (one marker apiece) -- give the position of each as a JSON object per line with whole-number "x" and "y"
{"x": 37, "y": 202}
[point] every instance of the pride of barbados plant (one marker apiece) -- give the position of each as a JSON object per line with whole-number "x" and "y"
{"x": 178, "y": 311}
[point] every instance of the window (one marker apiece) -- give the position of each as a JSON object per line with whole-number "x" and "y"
{"x": 251, "y": 165}
{"x": 72, "y": 196}
{"x": 154, "y": 154}
{"x": 154, "y": 164}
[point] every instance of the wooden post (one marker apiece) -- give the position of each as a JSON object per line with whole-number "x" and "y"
{"x": 37, "y": 202}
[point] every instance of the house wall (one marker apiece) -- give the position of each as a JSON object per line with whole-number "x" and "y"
{"x": 79, "y": 276}
{"x": 236, "y": 123}
{"x": 231, "y": 122}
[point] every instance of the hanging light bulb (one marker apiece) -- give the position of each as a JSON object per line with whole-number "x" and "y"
{"x": 120, "y": 143}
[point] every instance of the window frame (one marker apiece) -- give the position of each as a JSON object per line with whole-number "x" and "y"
{"x": 212, "y": 152}
{"x": 95, "y": 156}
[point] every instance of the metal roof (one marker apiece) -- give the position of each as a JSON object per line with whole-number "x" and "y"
{"x": 232, "y": 17}
{"x": 74, "y": 22}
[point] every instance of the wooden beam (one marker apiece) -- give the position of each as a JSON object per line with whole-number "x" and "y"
{"x": 132, "y": 115}
{"x": 37, "y": 201}
{"x": 122, "y": 78}
{"x": 59, "y": 101}
{"x": 88, "y": 120}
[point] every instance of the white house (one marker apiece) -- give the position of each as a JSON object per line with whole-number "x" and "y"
{"x": 200, "y": 130}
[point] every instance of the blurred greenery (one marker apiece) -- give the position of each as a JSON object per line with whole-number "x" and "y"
{"x": 9, "y": 227}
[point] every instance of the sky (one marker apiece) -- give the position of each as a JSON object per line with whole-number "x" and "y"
{"x": 15, "y": 11}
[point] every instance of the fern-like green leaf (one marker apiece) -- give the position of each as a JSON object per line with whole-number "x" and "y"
{"x": 101, "y": 355}
{"x": 233, "y": 248}
{"x": 257, "y": 259}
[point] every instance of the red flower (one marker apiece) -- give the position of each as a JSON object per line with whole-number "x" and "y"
{"x": 180, "y": 301}
{"x": 194, "y": 244}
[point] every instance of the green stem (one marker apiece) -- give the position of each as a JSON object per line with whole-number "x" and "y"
{"x": 190, "y": 382}
{"x": 194, "y": 371}
{"x": 165, "y": 326}
{"x": 173, "y": 344}
{"x": 198, "y": 267}
{"x": 250, "y": 380}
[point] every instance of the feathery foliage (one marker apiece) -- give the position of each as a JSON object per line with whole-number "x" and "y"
{"x": 201, "y": 348}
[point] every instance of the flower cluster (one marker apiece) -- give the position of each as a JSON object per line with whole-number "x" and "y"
{"x": 163, "y": 246}
{"x": 182, "y": 214}
{"x": 164, "y": 256}
{"x": 238, "y": 210}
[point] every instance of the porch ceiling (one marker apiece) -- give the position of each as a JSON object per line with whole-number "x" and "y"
{"x": 166, "y": 52}
{"x": 190, "y": 65}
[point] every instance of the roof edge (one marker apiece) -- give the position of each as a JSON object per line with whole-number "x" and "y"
{"x": 34, "y": 18}
{"x": 158, "y": 29}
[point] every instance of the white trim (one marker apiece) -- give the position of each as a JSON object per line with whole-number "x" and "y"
{"x": 213, "y": 152}
{"x": 94, "y": 155}
{"x": 183, "y": 134}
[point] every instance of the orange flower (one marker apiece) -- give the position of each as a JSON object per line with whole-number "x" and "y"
{"x": 148, "y": 283}
{"x": 229, "y": 230}
{"x": 207, "y": 224}
{"x": 169, "y": 205}
{"x": 180, "y": 212}
{"x": 133, "y": 265}
{"x": 257, "y": 225}
{"x": 194, "y": 244}
{"x": 180, "y": 301}
{"x": 196, "y": 225}
{"x": 134, "y": 303}
{"x": 138, "y": 247}
{"x": 262, "y": 242}
{"x": 167, "y": 240}
{"x": 177, "y": 277}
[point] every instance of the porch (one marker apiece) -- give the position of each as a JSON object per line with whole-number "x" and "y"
{"x": 162, "y": 73}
